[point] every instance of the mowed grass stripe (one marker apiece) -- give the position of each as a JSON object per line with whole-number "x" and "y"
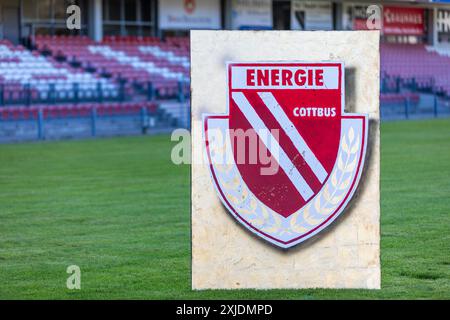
{"x": 119, "y": 209}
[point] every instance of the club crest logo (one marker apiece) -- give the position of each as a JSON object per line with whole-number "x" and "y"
{"x": 189, "y": 6}
{"x": 286, "y": 159}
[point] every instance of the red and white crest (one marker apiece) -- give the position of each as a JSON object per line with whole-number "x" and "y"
{"x": 286, "y": 159}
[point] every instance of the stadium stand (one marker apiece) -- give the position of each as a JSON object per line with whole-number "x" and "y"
{"x": 140, "y": 61}
{"x": 415, "y": 67}
{"x": 137, "y": 61}
{"x": 73, "y": 76}
{"x": 26, "y": 71}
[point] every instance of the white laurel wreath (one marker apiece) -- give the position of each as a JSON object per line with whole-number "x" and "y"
{"x": 333, "y": 193}
{"x": 237, "y": 192}
{"x": 325, "y": 202}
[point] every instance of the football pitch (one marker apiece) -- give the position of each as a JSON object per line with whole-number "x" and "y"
{"x": 119, "y": 209}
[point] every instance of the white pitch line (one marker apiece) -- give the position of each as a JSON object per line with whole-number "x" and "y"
{"x": 290, "y": 130}
{"x": 277, "y": 152}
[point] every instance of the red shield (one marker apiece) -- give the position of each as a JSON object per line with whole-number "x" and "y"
{"x": 286, "y": 159}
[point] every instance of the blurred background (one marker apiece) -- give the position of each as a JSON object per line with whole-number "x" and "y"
{"x": 119, "y": 208}
{"x": 126, "y": 69}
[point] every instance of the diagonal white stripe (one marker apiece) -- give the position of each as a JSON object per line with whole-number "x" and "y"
{"x": 277, "y": 152}
{"x": 290, "y": 130}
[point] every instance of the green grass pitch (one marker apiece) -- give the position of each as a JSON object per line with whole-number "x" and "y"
{"x": 119, "y": 209}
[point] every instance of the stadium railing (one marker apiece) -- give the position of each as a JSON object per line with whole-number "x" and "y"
{"x": 141, "y": 116}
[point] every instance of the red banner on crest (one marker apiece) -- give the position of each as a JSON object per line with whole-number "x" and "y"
{"x": 403, "y": 21}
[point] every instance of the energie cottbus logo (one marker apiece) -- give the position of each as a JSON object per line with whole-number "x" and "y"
{"x": 286, "y": 159}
